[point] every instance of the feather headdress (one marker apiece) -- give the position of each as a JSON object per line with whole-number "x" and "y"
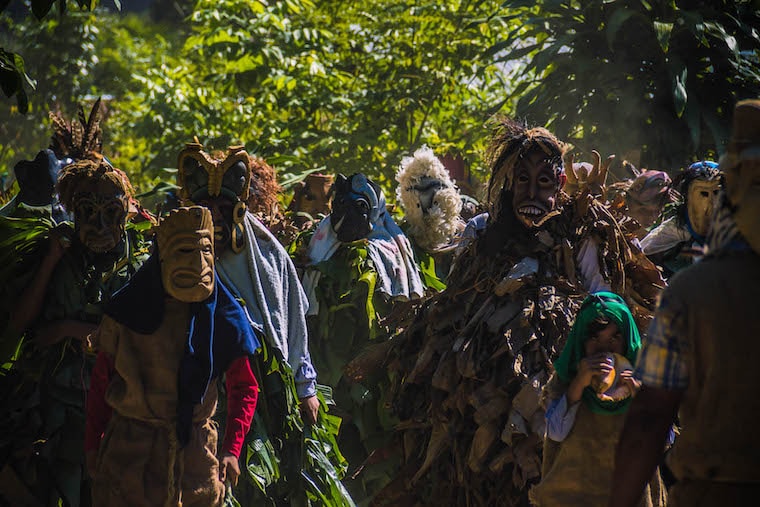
{"x": 79, "y": 138}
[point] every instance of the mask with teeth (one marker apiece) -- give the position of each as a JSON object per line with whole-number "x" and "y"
{"x": 527, "y": 174}
{"x": 534, "y": 188}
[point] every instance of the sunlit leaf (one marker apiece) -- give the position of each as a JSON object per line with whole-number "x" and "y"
{"x": 680, "y": 95}
{"x": 663, "y": 31}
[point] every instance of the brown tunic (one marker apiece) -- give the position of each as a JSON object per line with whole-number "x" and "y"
{"x": 717, "y": 455}
{"x": 578, "y": 470}
{"x": 139, "y": 460}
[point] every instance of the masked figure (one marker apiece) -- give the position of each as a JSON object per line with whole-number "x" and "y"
{"x": 311, "y": 197}
{"x": 679, "y": 241}
{"x": 257, "y": 269}
{"x": 81, "y": 269}
{"x": 473, "y": 362}
{"x": 36, "y": 180}
{"x": 640, "y": 200}
{"x": 167, "y": 335}
{"x": 432, "y": 207}
{"x": 361, "y": 266}
{"x": 698, "y": 361}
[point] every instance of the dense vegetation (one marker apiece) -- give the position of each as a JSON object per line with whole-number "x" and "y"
{"x": 346, "y": 86}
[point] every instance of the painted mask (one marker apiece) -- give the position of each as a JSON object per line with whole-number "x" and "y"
{"x": 534, "y": 188}
{"x": 647, "y": 196}
{"x": 186, "y": 250}
{"x": 222, "y": 186}
{"x": 743, "y": 189}
{"x": 700, "y": 204}
{"x": 357, "y": 203}
{"x": 202, "y": 176}
{"x": 100, "y": 215}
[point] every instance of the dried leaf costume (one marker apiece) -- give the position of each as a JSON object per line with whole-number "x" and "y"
{"x": 475, "y": 359}
{"x": 44, "y": 388}
{"x": 285, "y": 461}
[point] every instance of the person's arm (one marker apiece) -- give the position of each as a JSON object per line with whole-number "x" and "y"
{"x": 55, "y": 331}
{"x": 98, "y": 410}
{"x": 588, "y": 262}
{"x": 642, "y": 441}
{"x": 30, "y": 304}
{"x": 242, "y": 395}
{"x": 560, "y": 418}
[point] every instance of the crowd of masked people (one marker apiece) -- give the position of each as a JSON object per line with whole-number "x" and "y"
{"x": 561, "y": 341}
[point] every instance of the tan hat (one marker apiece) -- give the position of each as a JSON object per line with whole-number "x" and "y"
{"x": 745, "y": 134}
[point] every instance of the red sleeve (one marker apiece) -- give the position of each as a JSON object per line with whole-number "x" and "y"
{"x": 242, "y": 393}
{"x": 98, "y": 410}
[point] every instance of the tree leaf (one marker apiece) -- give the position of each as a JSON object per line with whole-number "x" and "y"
{"x": 663, "y": 31}
{"x": 40, "y": 8}
{"x": 680, "y": 95}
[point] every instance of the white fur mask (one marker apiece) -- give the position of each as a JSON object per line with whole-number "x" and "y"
{"x": 430, "y": 199}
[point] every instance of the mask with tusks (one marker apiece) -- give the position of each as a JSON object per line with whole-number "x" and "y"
{"x": 357, "y": 204}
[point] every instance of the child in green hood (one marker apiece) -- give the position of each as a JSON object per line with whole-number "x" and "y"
{"x": 586, "y": 400}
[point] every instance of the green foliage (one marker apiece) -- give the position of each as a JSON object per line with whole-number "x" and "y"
{"x": 283, "y": 458}
{"x": 21, "y": 241}
{"x": 13, "y": 77}
{"x": 330, "y": 86}
{"x": 59, "y": 52}
{"x": 348, "y": 314}
{"x": 619, "y": 76}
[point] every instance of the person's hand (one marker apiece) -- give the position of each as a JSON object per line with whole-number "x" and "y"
{"x": 58, "y": 242}
{"x": 592, "y": 366}
{"x": 628, "y": 380}
{"x": 310, "y": 409}
{"x": 229, "y": 469}
{"x": 90, "y": 460}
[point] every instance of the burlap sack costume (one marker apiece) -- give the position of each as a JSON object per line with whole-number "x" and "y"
{"x": 578, "y": 471}
{"x": 141, "y": 450}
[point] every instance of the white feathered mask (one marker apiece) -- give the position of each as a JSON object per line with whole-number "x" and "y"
{"x": 430, "y": 200}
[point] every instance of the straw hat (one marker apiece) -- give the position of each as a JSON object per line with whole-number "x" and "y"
{"x": 745, "y": 134}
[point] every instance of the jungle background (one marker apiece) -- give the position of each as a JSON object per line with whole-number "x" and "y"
{"x": 344, "y": 86}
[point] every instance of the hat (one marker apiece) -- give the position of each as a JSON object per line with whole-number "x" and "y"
{"x": 745, "y": 134}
